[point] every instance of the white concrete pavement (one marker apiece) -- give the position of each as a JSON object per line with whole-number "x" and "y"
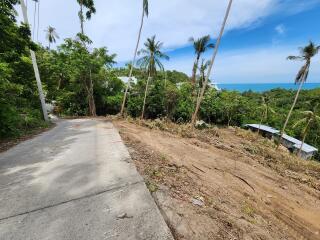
{"x": 76, "y": 181}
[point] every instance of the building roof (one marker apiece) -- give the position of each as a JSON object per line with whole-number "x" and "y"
{"x": 263, "y": 128}
{"x": 297, "y": 144}
{"x": 126, "y": 79}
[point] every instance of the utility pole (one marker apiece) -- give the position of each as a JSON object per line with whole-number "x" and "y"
{"x": 35, "y": 66}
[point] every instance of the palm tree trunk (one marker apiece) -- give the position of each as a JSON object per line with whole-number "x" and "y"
{"x": 34, "y": 20}
{"x": 145, "y": 96}
{"x": 304, "y": 138}
{"x": 260, "y": 125}
{"x": 92, "y": 105}
{"x": 199, "y": 100}
{"x": 194, "y": 70}
{"x": 49, "y": 45}
{"x": 290, "y": 112}
{"x": 132, "y": 65}
{"x": 81, "y": 17}
{"x": 263, "y": 117}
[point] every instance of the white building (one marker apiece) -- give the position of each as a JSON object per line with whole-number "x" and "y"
{"x": 291, "y": 143}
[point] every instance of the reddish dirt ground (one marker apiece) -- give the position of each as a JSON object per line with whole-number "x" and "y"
{"x": 216, "y": 189}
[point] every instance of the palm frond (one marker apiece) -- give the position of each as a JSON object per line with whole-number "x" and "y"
{"x": 301, "y": 76}
{"x": 295, "y": 58}
{"x": 146, "y": 7}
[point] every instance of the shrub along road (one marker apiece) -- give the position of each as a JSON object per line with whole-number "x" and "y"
{"x": 76, "y": 181}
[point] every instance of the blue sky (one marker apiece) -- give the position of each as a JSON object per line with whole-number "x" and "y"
{"x": 258, "y": 38}
{"x": 261, "y": 46}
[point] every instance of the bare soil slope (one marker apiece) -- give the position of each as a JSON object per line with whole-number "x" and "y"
{"x": 222, "y": 185}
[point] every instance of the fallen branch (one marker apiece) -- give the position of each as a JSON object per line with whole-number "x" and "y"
{"x": 198, "y": 168}
{"x": 243, "y": 180}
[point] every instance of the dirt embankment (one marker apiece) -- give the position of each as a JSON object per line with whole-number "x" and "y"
{"x": 226, "y": 185}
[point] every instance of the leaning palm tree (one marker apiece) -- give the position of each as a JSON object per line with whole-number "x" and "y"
{"x": 150, "y": 61}
{"x": 89, "y": 5}
{"x": 200, "y": 46}
{"x": 51, "y": 36}
{"x": 199, "y": 100}
{"x": 266, "y": 110}
{"x": 310, "y": 118}
{"x": 145, "y": 12}
{"x": 306, "y": 54}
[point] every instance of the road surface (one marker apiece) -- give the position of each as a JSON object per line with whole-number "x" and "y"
{"x": 76, "y": 181}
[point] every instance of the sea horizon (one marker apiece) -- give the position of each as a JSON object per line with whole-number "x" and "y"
{"x": 262, "y": 87}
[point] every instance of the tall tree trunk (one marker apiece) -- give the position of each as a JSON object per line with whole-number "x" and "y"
{"x": 35, "y": 66}
{"x": 132, "y": 65}
{"x": 194, "y": 70}
{"x": 290, "y": 112}
{"x": 263, "y": 117}
{"x": 34, "y": 20}
{"x": 304, "y": 138}
{"x": 81, "y": 17}
{"x": 60, "y": 81}
{"x": 199, "y": 100}
{"x": 145, "y": 96}
{"x": 49, "y": 44}
{"x": 91, "y": 103}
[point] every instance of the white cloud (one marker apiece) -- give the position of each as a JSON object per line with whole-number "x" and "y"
{"x": 254, "y": 65}
{"x": 173, "y": 21}
{"x": 116, "y": 23}
{"x": 280, "y": 29}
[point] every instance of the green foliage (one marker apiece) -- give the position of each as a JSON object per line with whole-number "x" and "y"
{"x": 19, "y": 102}
{"x": 185, "y": 105}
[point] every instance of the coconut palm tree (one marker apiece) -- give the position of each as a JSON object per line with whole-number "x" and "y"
{"x": 89, "y": 5}
{"x": 199, "y": 100}
{"x": 150, "y": 61}
{"x": 306, "y": 54}
{"x": 145, "y": 12}
{"x": 52, "y": 35}
{"x": 310, "y": 118}
{"x": 266, "y": 109}
{"x": 200, "y": 46}
{"x": 202, "y": 69}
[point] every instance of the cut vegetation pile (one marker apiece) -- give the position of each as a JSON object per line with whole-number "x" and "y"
{"x": 225, "y": 183}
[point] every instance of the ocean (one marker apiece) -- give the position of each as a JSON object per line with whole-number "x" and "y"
{"x": 262, "y": 87}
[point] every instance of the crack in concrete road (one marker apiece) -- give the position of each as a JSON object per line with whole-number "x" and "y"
{"x": 74, "y": 199}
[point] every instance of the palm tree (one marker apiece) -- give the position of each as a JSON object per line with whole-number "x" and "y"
{"x": 202, "y": 69}
{"x": 199, "y": 100}
{"x": 266, "y": 109}
{"x": 310, "y": 118}
{"x": 200, "y": 46}
{"x": 306, "y": 54}
{"x": 150, "y": 61}
{"x": 145, "y": 12}
{"x": 89, "y": 5}
{"x": 52, "y": 35}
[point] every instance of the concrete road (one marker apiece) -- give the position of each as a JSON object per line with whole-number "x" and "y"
{"x": 76, "y": 181}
